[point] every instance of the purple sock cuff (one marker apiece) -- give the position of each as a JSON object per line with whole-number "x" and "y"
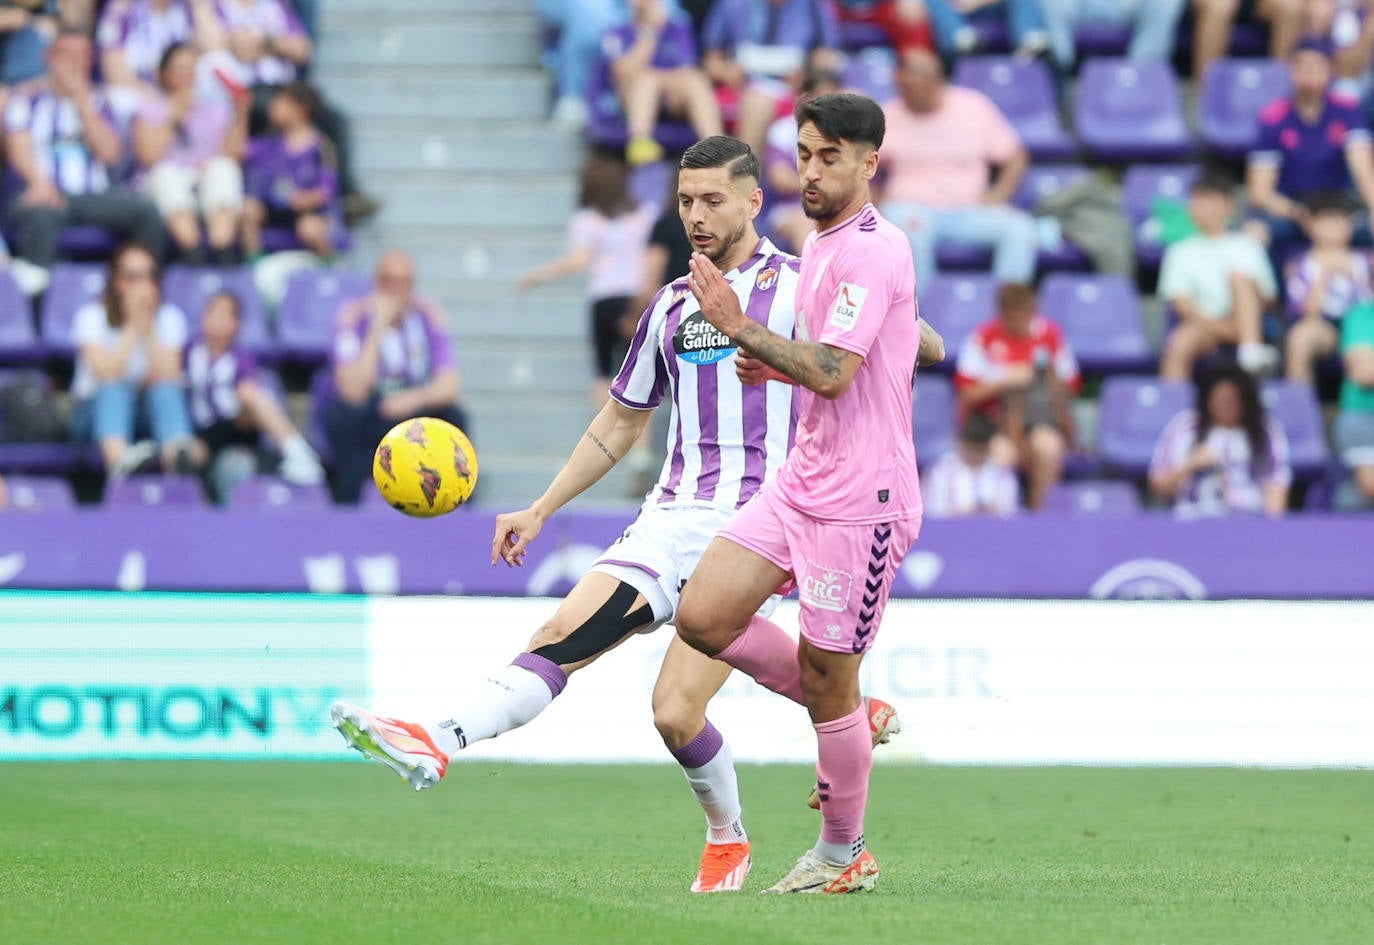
{"x": 700, "y": 750}
{"x": 545, "y": 669}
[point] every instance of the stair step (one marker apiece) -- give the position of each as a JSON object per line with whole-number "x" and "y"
{"x": 371, "y": 8}
{"x": 504, "y": 41}
{"x": 503, "y": 368}
{"x": 514, "y": 96}
{"x": 456, "y": 200}
{"x": 412, "y": 146}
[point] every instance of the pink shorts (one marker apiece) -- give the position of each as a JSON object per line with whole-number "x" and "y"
{"x": 843, "y": 573}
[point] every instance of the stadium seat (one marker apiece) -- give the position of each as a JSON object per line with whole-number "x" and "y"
{"x": 862, "y": 36}
{"x": 1101, "y": 38}
{"x": 1233, "y": 93}
{"x": 1046, "y": 180}
{"x": 188, "y": 289}
{"x": 649, "y": 183}
{"x": 1130, "y": 111}
{"x": 1101, "y": 318}
{"x": 955, "y": 304}
{"x": 72, "y": 286}
{"x": 271, "y": 492}
{"x": 1295, "y": 407}
{"x": 606, "y": 119}
{"x": 87, "y": 243}
{"x": 38, "y": 494}
{"x": 1141, "y": 185}
{"x": 150, "y": 491}
{"x": 19, "y": 342}
{"x": 871, "y": 72}
{"x": 932, "y": 417}
{"x": 1133, "y": 411}
{"x": 1092, "y": 498}
{"x": 42, "y": 458}
{"x": 962, "y": 257}
{"x": 1025, "y": 94}
{"x": 305, "y": 318}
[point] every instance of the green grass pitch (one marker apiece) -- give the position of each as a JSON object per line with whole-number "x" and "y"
{"x": 124, "y": 853}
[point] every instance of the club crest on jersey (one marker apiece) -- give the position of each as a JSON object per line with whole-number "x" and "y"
{"x": 766, "y": 279}
{"x": 849, "y": 301}
{"x": 697, "y": 341}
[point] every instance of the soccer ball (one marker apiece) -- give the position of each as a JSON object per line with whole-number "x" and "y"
{"x": 425, "y": 467}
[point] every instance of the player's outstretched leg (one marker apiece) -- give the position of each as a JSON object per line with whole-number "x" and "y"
{"x": 685, "y": 685}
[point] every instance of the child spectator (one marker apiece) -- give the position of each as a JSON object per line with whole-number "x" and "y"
{"x": 1225, "y": 456}
{"x": 1323, "y": 284}
{"x": 607, "y": 237}
{"x": 969, "y": 482}
{"x": 1018, "y": 371}
{"x": 189, "y": 144}
{"x": 780, "y": 180}
{"x": 1218, "y": 283}
{"x": 128, "y": 370}
{"x": 1354, "y": 429}
{"x": 290, "y": 178}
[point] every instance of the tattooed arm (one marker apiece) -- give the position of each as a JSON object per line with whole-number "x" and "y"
{"x": 932, "y": 348}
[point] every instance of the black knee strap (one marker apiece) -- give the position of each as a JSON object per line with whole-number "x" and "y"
{"x": 602, "y": 630}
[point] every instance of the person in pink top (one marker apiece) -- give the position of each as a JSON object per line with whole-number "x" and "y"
{"x": 943, "y": 143}
{"x": 846, "y": 505}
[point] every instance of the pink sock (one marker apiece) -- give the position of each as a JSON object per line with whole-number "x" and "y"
{"x": 844, "y": 749}
{"x": 766, "y": 652}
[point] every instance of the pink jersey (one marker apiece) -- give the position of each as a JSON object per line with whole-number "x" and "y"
{"x": 853, "y": 460}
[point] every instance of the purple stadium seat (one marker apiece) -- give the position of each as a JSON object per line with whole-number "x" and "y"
{"x": 1133, "y": 411}
{"x": 606, "y": 121}
{"x": 1092, "y": 498}
{"x": 1025, "y": 94}
{"x": 188, "y": 289}
{"x": 50, "y": 457}
{"x": 871, "y": 72}
{"x": 1139, "y": 188}
{"x": 1100, "y": 315}
{"x": 932, "y": 417}
{"x": 38, "y": 494}
{"x": 962, "y": 257}
{"x": 72, "y": 286}
{"x": 955, "y": 304}
{"x": 305, "y": 318}
{"x": 649, "y": 183}
{"x": 149, "y": 491}
{"x": 86, "y": 243}
{"x": 19, "y": 342}
{"x": 1046, "y": 180}
{"x": 1295, "y": 407}
{"x": 860, "y": 36}
{"x": 1234, "y": 92}
{"x": 278, "y": 240}
{"x": 1130, "y": 111}
{"x": 270, "y": 492}
{"x": 1101, "y": 38}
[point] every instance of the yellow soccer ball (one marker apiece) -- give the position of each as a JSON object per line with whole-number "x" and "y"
{"x": 425, "y": 467}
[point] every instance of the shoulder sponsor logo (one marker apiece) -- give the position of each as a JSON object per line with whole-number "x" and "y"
{"x": 825, "y": 588}
{"x": 849, "y": 302}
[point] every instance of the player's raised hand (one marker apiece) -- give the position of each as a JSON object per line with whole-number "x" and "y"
{"x": 718, "y": 301}
{"x": 514, "y": 532}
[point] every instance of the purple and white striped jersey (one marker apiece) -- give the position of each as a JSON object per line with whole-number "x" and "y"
{"x": 724, "y": 439}
{"x": 212, "y": 382}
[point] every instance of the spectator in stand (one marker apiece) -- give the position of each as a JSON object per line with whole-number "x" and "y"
{"x": 1218, "y": 283}
{"x": 1323, "y": 284}
{"x": 1354, "y": 429}
{"x": 1349, "y": 31}
{"x": 128, "y": 370}
{"x": 392, "y": 359}
{"x": 943, "y": 141}
{"x": 756, "y": 50}
{"x": 781, "y": 183}
{"x": 290, "y": 177}
{"x": 1226, "y": 456}
{"x": 904, "y": 21}
{"x": 968, "y": 482}
{"x": 64, "y": 142}
{"x": 1314, "y": 141}
{"x": 189, "y": 145}
{"x": 1213, "y": 19}
{"x": 607, "y": 238}
{"x": 956, "y": 35}
{"x": 26, "y": 29}
{"x": 230, "y": 408}
{"x": 1018, "y": 371}
{"x": 1154, "y": 25}
{"x": 654, "y": 67}
{"x": 133, "y": 35}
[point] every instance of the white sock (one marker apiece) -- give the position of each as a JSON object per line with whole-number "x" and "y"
{"x": 844, "y": 853}
{"x": 510, "y": 697}
{"x": 710, "y": 769}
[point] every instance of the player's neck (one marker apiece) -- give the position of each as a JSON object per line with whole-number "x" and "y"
{"x": 850, "y": 211}
{"x": 740, "y": 253}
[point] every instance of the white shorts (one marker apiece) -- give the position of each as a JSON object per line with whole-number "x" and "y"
{"x": 659, "y": 552}
{"x": 176, "y": 189}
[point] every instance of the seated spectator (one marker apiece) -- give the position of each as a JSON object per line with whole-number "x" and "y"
{"x": 956, "y": 35}
{"x": 654, "y": 67}
{"x": 942, "y": 144}
{"x": 1350, "y": 34}
{"x": 1154, "y": 25}
{"x": 1314, "y": 141}
{"x": 904, "y": 21}
{"x": 290, "y": 180}
{"x": 64, "y": 143}
{"x": 1322, "y": 285}
{"x": 26, "y": 29}
{"x": 392, "y": 359}
{"x": 968, "y": 482}
{"x": 230, "y": 408}
{"x": 1225, "y": 456}
{"x": 1018, "y": 371}
{"x": 133, "y": 35}
{"x": 1354, "y": 429}
{"x": 128, "y": 370}
{"x": 189, "y": 145}
{"x": 607, "y": 238}
{"x": 755, "y": 51}
{"x": 1213, "y": 19}
{"x": 780, "y": 180}
{"x": 1218, "y": 282}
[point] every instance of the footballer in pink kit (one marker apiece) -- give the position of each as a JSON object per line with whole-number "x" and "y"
{"x": 846, "y": 505}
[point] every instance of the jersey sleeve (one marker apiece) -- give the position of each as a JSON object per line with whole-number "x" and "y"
{"x": 88, "y": 325}
{"x": 1280, "y": 469}
{"x": 865, "y": 286}
{"x": 1268, "y": 150}
{"x": 170, "y": 327}
{"x": 1064, "y": 361}
{"x": 1173, "y": 273}
{"x": 643, "y": 377}
{"x": 1174, "y": 444}
{"x": 973, "y": 365}
{"x": 441, "y": 354}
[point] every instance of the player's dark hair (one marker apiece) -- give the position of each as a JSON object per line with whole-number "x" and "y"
{"x": 606, "y": 186}
{"x": 844, "y": 116}
{"x": 722, "y": 151}
{"x": 1252, "y": 415}
{"x": 1328, "y": 201}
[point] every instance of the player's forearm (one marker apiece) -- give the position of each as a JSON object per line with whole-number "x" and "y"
{"x": 932, "y": 347}
{"x": 817, "y": 367}
{"x": 609, "y": 436}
